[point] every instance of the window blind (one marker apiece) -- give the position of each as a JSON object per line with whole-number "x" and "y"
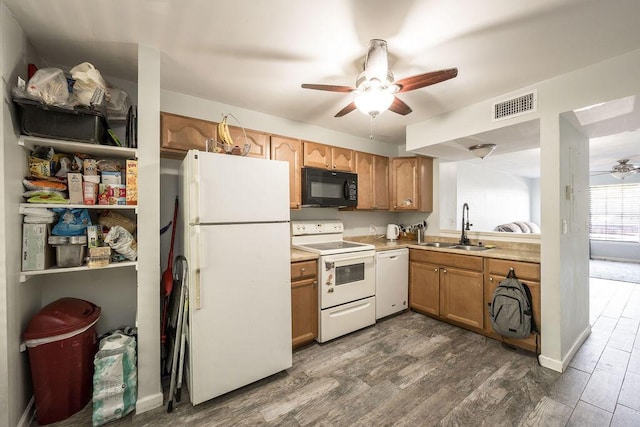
{"x": 615, "y": 212}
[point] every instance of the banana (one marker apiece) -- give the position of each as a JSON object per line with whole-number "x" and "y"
{"x": 223, "y": 132}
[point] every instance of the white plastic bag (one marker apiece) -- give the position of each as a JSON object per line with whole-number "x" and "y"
{"x": 87, "y": 78}
{"x": 121, "y": 241}
{"x": 49, "y": 85}
{"x": 115, "y": 380}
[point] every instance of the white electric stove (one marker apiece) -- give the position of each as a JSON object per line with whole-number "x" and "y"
{"x": 346, "y": 277}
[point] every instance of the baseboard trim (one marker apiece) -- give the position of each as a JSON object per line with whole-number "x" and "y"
{"x": 149, "y": 402}
{"x": 29, "y": 413}
{"x": 561, "y": 365}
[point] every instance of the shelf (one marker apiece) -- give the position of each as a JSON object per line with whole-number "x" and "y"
{"x": 26, "y": 275}
{"x": 70, "y": 206}
{"x": 30, "y": 142}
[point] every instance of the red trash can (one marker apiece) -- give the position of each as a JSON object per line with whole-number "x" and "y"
{"x": 61, "y": 339}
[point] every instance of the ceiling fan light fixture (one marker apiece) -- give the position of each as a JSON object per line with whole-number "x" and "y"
{"x": 482, "y": 150}
{"x": 373, "y": 101}
{"x": 623, "y": 169}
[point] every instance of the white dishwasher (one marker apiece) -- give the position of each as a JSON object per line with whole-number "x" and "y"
{"x": 392, "y": 281}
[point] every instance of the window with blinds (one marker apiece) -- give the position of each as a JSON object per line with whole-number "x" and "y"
{"x": 615, "y": 212}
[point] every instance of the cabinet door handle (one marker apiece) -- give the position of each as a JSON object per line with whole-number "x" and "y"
{"x": 491, "y": 278}
{"x": 302, "y": 269}
{"x": 435, "y": 270}
{"x": 444, "y": 270}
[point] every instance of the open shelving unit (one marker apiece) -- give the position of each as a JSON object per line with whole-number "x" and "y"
{"x": 26, "y": 275}
{"x": 30, "y": 142}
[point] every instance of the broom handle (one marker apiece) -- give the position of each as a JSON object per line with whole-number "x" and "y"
{"x": 173, "y": 232}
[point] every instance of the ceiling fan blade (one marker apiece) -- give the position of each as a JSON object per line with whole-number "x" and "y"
{"x": 399, "y": 107}
{"x": 349, "y": 108}
{"x": 426, "y": 79}
{"x": 330, "y": 88}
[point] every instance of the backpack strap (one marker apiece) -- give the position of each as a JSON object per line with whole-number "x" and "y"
{"x": 511, "y": 274}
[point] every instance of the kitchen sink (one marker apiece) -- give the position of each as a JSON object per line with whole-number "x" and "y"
{"x": 470, "y": 247}
{"x": 438, "y": 244}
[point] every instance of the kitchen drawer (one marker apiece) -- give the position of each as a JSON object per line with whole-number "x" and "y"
{"x": 465, "y": 262}
{"x": 303, "y": 269}
{"x": 524, "y": 270}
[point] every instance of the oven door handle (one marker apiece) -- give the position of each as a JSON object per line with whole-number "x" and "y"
{"x": 337, "y": 260}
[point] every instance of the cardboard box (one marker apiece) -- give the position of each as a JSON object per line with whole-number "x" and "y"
{"x": 36, "y": 253}
{"x": 90, "y": 193}
{"x": 112, "y": 194}
{"x": 99, "y": 257}
{"x": 74, "y": 186}
{"x": 111, "y": 177}
{"x": 131, "y": 170}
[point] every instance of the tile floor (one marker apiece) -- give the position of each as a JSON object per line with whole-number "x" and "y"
{"x": 602, "y": 382}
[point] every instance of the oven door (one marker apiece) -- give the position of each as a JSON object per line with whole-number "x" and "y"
{"x": 346, "y": 277}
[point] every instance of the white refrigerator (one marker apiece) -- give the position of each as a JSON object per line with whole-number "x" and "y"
{"x": 234, "y": 218}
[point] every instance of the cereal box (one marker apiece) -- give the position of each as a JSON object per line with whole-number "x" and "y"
{"x": 132, "y": 181}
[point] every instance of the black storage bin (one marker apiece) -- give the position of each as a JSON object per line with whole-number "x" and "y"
{"x": 48, "y": 121}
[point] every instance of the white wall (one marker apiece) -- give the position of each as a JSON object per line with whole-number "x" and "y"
{"x": 534, "y": 187}
{"x": 557, "y": 95}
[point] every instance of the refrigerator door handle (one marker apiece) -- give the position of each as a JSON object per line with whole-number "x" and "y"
{"x": 194, "y": 190}
{"x": 197, "y": 293}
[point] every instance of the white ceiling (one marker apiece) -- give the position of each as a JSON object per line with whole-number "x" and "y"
{"x": 255, "y": 54}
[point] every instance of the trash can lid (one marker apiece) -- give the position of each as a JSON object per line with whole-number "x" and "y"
{"x": 61, "y": 317}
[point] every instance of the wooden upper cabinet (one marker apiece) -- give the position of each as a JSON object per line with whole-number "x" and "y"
{"x": 323, "y": 156}
{"x": 364, "y": 169}
{"x": 259, "y": 141}
{"x": 412, "y": 184}
{"x": 342, "y": 159}
{"x": 380, "y": 182}
{"x": 290, "y": 150}
{"x": 373, "y": 181}
{"x": 179, "y": 134}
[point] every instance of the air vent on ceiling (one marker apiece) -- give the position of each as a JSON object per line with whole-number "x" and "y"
{"x": 522, "y": 104}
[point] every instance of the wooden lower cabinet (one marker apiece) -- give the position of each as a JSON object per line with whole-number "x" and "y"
{"x": 304, "y": 302}
{"x": 448, "y": 286}
{"x": 496, "y": 270}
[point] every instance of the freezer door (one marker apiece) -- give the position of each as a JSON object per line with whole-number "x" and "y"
{"x": 236, "y": 189}
{"x": 239, "y": 306}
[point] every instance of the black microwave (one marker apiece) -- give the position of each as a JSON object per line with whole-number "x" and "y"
{"x": 327, "y": 188}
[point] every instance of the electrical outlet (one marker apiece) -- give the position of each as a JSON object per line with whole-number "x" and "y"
{"x": 372, "y": 230}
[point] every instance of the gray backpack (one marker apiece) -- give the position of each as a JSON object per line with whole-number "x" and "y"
{"x": 510, "y": 310}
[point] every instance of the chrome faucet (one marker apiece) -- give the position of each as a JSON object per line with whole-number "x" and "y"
{"x": 464, "y": 240}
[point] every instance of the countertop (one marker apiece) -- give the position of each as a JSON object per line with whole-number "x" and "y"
{"x": 503, "y": 250}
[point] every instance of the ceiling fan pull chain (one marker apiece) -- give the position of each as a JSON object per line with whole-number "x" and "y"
{"x": 371, "y": 128}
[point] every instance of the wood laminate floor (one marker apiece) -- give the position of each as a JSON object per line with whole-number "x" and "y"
{"x": 411, "y": 370}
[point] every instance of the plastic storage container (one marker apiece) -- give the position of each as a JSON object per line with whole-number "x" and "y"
{"x": 48, "y": 121}
{"x": 61, "y": 339}
{"x": 70, "y": 250}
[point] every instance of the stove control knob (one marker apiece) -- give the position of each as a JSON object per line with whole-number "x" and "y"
{"x": 330, "y": 290}
{"x": 328, "y": 283}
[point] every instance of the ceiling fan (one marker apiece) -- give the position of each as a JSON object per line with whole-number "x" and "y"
{"x": 375, "y": 87}
{"x": 622, "y": 170}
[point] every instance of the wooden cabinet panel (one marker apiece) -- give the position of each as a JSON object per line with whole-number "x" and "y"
{"x": 424, "y": 288}
{"x": 323, "y": 156}
{"x": 303, "y": 270}
{"x": 461, "y": 296}
{"x": 258, "y": 141}
{"x": 342, "y": 159}
{"x": 495, "y": 271}
{"x": 178, "y": 134}
{"x": 316, "y": 155}
{"x": 304, "y": 302}
{"x": 466, "y": 262}
{"x": 411, "y": 184}
{"x": 380, "y": 182}
{"x": 373, "y": 181}
{"x": 364, "y": 169}
{"x": 290, "y": 150}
